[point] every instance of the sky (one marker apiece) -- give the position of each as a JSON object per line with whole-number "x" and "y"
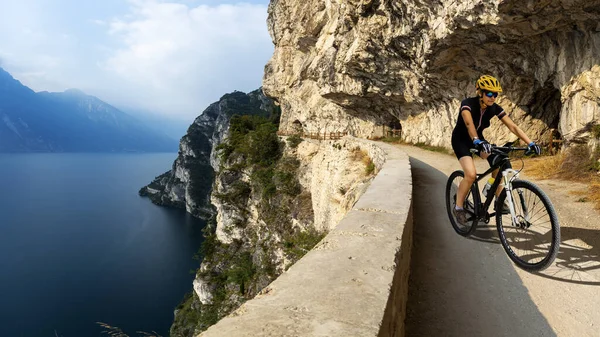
{"x": 163, "y": 57}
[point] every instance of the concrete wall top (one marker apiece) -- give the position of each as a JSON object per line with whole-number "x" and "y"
{"x": 342, "y": 286}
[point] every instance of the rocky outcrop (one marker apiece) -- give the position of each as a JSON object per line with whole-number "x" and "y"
{"x": 359, "y": 66}
{"x": 355, "y": 281}
{"x": 270, "y": 216}
{"x": 356, "y": 65}
{"x": 189, "y": 182}
{"x": 336, "y": 174}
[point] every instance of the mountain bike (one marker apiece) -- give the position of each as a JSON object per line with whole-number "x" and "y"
{"x": 529, "y": 230}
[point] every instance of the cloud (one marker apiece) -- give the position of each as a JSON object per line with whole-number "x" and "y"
{"x": 39, "y": 47}
{"x": 178, "y": 59}
{"x": 98, "y": 22}
{"x": 171, "y": 57}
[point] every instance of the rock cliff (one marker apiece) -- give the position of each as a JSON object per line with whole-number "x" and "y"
{"x": 275, "y": 200}
{"x": 357, "y": 65}
{"x": 189, "y": 182}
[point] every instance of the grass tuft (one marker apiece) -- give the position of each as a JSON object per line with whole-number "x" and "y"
{"x": 363, "y": 156}
{"x": 544, "y": 167}
{"x": 433, "y": 148}
{"x": 577, "y": 163}
{"x": 393, "y": 140}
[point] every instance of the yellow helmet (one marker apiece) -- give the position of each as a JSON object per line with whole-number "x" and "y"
{"x": 489, "y": 83}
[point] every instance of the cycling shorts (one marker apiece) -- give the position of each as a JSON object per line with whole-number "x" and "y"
{"x": 463, "y": 148}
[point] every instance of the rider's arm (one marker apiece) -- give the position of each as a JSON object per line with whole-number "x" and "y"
{"x": 466, "y": 115}
{"x": 515, "y": 129}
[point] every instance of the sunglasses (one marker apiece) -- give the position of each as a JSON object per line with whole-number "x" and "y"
{"x": 490, "y": 94}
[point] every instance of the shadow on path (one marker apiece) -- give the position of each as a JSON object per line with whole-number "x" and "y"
{"x": 578, "y": 260}
{"x": 462, "y": 287}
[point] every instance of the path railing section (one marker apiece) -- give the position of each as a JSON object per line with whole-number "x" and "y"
{"x": 554, "y": 144}
{"x": 315, "y": 135}
{"x": 332, "y": 135}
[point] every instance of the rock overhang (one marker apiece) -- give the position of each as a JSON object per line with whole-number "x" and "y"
{"x": 356, "y": 65}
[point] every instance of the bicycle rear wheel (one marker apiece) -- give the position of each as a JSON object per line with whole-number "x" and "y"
{"x": 533, "y": 241}
{"x": 470, "y": 203}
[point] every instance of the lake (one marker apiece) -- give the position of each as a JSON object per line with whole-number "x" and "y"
{"x": 79, "y": 246}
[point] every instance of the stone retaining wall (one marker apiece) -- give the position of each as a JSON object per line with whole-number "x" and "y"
{"x": 355, "y": 281}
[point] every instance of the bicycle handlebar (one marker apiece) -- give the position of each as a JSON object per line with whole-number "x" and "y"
{"x": 510, "y": 148}
{"x": 507, "y": 149}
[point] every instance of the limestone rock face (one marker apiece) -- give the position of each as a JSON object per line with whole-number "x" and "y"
{"x": 202, "y": 290}
{"x": 335, "y": 173}
{"x": 188, "y": 184}
{"x": 331, "y": 176}
{"x": 356, "y": 65}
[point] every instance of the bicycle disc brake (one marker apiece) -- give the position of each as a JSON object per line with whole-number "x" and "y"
{"x": 522, "y": 223}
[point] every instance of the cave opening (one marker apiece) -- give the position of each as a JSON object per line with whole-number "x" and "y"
{"x": 297, "y": 126}
{"x": 546, "y": 105}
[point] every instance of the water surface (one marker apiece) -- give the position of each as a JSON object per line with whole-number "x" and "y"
{"x": 78, "y": 245}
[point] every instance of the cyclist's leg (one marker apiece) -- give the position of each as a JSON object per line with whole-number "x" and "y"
{"x": 468, "y": 167}
{"x": 462, "y": 151}
{"x": 491, "y": 160}
{"x": 500, "y": 187}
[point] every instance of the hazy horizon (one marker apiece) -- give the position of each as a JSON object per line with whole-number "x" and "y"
{"x": 160, "y": 59}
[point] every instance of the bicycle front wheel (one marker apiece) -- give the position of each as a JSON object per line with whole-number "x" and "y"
{"x": 532, "y": 238}
{"x": 470, "y": 204}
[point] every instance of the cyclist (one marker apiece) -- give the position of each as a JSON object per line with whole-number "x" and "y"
{"x": 474, "y": 116}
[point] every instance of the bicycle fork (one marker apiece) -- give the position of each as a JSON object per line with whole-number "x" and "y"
{"x": 509, "y": 198}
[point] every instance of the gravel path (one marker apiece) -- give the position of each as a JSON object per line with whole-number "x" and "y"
{"x": 469, "y": 287}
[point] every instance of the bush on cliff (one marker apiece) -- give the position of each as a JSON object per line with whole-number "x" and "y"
{"x": 253, "y": 138}
{"x": 253, "y": 168}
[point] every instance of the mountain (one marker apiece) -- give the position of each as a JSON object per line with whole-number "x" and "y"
{"x": 69, "y": 121}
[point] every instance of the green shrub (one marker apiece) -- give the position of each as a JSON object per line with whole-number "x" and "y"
{"x": 285, "y": 176}
{"x": 287, "y": 182}
{"x": 236, "y": 195}
{"x": 210, "y": 244}
{"x": 254, "y": 138}
{"x": 241, "y": 271}
{"x": 262, "y": 181}
{"x": 370, "y": 167}
{"x": 300, "y": 242}
{"x": 294, "y": 140}
{"x": 596, "y": 131}
{"x": 187, "y": 317}
{"x": 225, "y": 150}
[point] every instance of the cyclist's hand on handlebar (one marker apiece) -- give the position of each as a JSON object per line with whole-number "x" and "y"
{"x": 534, "y": 148}
{"x": 482, "y": 145}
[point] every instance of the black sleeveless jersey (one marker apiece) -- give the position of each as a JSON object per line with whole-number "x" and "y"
{"x": 481, "y": 118}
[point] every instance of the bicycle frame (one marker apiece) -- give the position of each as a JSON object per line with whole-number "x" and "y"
{"x": 482, "y": 209}
{"x": 539, "y": 248}
{"x": 508, "y": 175}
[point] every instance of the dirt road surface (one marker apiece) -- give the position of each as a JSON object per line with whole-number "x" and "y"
{"x": 469, "y": 287}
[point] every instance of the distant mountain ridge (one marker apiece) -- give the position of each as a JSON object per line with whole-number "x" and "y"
{"x": 69, "y": 121}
